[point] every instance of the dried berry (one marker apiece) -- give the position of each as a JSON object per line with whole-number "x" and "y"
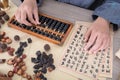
{"x": 16, "y": 38}
{"x": 25, "y": 44}
{"x": 44, "y": 78}
{"x": 29, "y": 40}
{"x": 36, "y": 66}
{"x": 38, "y": 53}
{"x": 35, "y": 71}
{"x": 41, "y": 76}
{"x": 47, "y": 47}
{"x": 34, "y": 60}
{"x": 43, "y": 70}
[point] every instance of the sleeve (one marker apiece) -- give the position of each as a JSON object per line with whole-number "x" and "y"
{"x": 39, "y": 2}
{"x": 110, "y": 11}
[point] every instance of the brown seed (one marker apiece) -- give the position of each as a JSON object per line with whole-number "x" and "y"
{"x": 24, "y": 75}
{"x": 18, "y": 60}
{"x": 24, "y": 56}
{"x": 2, "y": 33}
{"x": 29, "y": 77}
{"x": 24, "y": 68}
{"x": 8, "y": 41}
{"x": 19, "y": 72}
{"x": 10, "y": 74}
{"x": 11, "y": 51}
{"x": 3, "y": 40}
{"x": 38, "y": 74}
{"x": 1, "y": 50}
{"x": 8, "y": 48}
{"x": 21, "y": 64}
{"x": 50, "y": 69}
{"x": 15, "y": 70}
{"x": 15, "y": 64}
{"x": 10, "y": 61}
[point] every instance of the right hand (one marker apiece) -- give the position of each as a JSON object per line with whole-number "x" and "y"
{"x": 27, "y": 9}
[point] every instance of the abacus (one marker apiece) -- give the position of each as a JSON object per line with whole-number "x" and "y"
{"x": 52, "y": 29}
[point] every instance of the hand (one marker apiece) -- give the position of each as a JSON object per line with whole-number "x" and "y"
{"x": 98, "y": 36}
{"x": 27, "y": 9}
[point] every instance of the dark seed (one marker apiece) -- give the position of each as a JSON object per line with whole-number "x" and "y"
{"x": 41, "y": 76}
{"x": 36, "y": 67}
{"x": 47, "y": 47}
{"x": 38, "y": 53}
{"x": 16, "y": 38}
{"x": 4, "y": 46}
{"x": 43, "y": 70}
{"x": 29, "y": 40}
{"x": 35, "y": 71}
{"x": 44, "y": 78}
{"x": 25, "y": 44}
{"x": 2, "y": 13}
{"x": 6, "y": 17}
{"x": 34, "y": 60}
{"x": 2, "y": 21}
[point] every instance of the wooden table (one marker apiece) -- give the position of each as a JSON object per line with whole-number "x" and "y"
{"x": 72, "y": 13}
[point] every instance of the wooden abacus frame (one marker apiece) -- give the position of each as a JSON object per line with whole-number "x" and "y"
{"x": 49, "y": 30}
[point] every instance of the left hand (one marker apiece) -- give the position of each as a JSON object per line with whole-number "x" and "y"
{"x": 98, "y": 36}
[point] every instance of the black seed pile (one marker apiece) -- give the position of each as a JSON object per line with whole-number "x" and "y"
{"x": 43, "y": 63}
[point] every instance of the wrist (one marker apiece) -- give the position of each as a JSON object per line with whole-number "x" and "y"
{"x": 102, "y": 20}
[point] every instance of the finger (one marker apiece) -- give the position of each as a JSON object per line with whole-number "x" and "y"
{"x": 97, "y": 45}
{"x": 107, "y": 44}
{"x": 30, "y": 17}
{"x": 18, "y": 16}
{"x": 35, "y": 13}
{"x": 23, "y": 18}
{"x": 91, "y": 41}
{"x": 87, "y": 35}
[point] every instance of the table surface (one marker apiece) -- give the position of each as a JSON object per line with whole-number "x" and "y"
{"x": 73, "y": 13}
